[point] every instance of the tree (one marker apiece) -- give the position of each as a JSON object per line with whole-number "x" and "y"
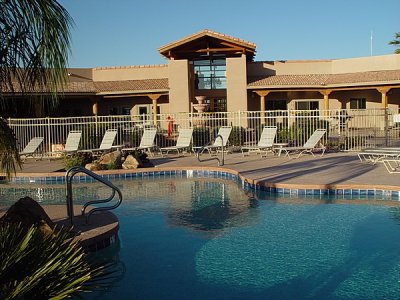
{"x": 34, "y": 48}
{"x": 396, "y": 42}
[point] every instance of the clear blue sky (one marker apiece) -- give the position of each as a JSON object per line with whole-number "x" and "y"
{"x": 129, "y": 32}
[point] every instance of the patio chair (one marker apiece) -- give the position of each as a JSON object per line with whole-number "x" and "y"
{"x": 392, "y": 165}
{"x": 146, "y": 142}
{"x": 218, "y": 143}
{"x": 71, "y": 144}
{"x": 265, "y": 143}
{"x": 31, "y": 148}
{"x": 183, "y": 142}
{"x": 105, "y": 145}
{"x": 375, "y": 155}
{"x": 309, "y": 146}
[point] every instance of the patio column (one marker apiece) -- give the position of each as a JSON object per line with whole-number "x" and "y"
{"x": 154, "y": 98}
{"x": 95, "y": 108}
{"x": 262, "y": 95}
{"x": 384, "y": 91}
{"x": 326, "y": 94}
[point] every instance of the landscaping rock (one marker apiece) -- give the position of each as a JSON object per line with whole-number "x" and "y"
{"x": 131, "y": 163}
{"x": 111, "y": 159}
{"x": 28, "y": 212}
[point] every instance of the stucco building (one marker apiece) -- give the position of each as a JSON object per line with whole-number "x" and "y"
{"x": 223, "y": 69}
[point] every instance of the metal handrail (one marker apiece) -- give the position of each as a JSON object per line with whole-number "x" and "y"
{"x": 220, "y": 162}
{"x": 71, "y": 172}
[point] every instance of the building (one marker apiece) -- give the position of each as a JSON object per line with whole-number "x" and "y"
{"x": 222, "y": 68}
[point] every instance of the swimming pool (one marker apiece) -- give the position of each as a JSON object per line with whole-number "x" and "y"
{"x": 207, "y": 238}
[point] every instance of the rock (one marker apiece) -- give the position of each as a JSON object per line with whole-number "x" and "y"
{"x": 131, "y": 163}
{"x": 28, "y": 212}
{"x": 111, "y": 159}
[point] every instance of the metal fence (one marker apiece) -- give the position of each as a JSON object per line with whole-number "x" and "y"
{"x": 347, "y": 130}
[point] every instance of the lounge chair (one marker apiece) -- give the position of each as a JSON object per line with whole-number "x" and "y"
{"x": 392, "y": 165}
{"x": 146, "y": 142}
{"x": 183, "y": 142}
{"x": 265, "y": 143}
{"x": 31, "y": 148}
{"x": 375, "y": 155}
{"x": 218, "y": 143}
{"x": 309, "y": 146}
{"x": 106, "y": 143}
{"x": 71, "y": 144}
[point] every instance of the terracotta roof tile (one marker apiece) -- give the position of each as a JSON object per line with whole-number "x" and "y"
{"x": 131, "y": 85}
{"x": 324, "y": 79}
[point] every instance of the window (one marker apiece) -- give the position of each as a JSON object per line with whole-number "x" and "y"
{"x": 217, "y": 105}
{"x": 126, "y": 111}
{"x": 210, "y": 73}
{"x": 358, "y": 103}
{"x": 275, "y": 105}
{"x": 307, "y": 105}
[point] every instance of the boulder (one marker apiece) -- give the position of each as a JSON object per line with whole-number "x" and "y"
{"x": 131, "y": 163}
{"x": 113, "y": 158}
{"x": 29, "y": 213}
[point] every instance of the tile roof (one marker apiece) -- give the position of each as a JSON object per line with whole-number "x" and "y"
{"x": 315, "y": 80}
{"x": 207, "y": 32}
{"x": 131, "y": 85}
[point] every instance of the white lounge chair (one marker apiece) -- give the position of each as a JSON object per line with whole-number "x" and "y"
{"x": 146, "y": 142}
{"x": 375, "y": 155}
{"x": 31, "y": 148}
{"x": 183, "y": 142}
{"x": 218, "y": 143}
{"x": 265, "y": 143}
{"x": 309, "y": 146}
{"x": 71, "y": 144}
{"x": 106, "y": 143}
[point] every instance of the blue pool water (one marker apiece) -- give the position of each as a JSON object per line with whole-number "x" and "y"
{"x": 210, "y": 239}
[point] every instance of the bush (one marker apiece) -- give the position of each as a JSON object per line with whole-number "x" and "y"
{"x": 201, "y": 136}
{"x": 76, "y": 159}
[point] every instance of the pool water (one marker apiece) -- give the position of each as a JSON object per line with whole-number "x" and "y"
{"x": 210, "y": 239}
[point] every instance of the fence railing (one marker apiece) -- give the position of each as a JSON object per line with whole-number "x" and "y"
{"x": 347, "y": 130}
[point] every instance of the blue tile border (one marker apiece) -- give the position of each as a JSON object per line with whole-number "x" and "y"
{"x": 200, "y": 173}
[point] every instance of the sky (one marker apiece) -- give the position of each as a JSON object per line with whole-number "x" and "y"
{"x": 129, "y": 32}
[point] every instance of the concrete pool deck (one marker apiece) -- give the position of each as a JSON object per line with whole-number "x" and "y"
{"x": 342, "y": 169}
{"x": 331, "y": 171}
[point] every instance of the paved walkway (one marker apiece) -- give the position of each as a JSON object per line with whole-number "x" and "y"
{"x": 331, "y": 170}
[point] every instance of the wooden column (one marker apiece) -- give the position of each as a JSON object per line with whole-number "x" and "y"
{"x": 154, "y": 98}
{"x": 95, "y": 107}
{"x": 326, "y": 94}
{"x": 384, "y": 91}
{"x": 262, "y": 95}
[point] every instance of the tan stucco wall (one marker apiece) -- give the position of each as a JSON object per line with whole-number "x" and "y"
{"x": 179, "y": 93}
{"x": 130, "y": 73}
{"x": 337, "y": 66}
{"x": 236, "y": 83}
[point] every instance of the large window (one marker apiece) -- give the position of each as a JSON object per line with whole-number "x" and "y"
{"x": 210, "y": 73}
{"x": 358, "y": 103}
{"x": 307, "y": 105}
{"x": 275, "y": 105}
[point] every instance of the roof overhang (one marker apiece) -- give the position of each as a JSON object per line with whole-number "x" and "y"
{"x": 207, "y": 43}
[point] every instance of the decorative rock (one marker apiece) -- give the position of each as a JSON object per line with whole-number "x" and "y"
{"x": 112, "y": 158}
{"x": 131, "y": 163}
{"x": 28, "y": 212}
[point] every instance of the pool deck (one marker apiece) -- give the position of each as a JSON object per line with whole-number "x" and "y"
{"x": 342, "y": 169}
{"x": 331, "y": 171}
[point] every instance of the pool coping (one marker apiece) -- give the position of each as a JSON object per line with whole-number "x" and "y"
{"x": 223, "y": 172}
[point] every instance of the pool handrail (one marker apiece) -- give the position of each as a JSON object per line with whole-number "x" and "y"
{"x": 70, "y": 173}
{"x": 221, "y": 161}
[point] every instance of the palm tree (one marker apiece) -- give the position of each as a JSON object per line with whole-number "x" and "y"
{"x": 396, "y": 42}
{"x": 34, "y": 48}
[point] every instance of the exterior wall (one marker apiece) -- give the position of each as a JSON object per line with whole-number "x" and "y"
{"x": 236, "y": 85}
{"x": 338, "y": 66}
{"x": 130, "y": 73}
{"x": 179, "y": 93}
{"x": 365, "y": 64}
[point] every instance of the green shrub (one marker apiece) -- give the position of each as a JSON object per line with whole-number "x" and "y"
{"x": 237, "y": 136}
{"x": 76, "y": 159}
{"x": 201, "y": 136}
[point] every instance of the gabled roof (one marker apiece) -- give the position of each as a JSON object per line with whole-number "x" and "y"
{"x": 205, "y": 42}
